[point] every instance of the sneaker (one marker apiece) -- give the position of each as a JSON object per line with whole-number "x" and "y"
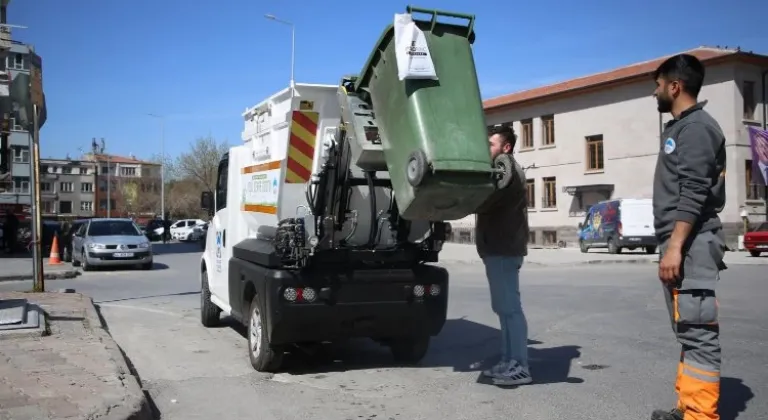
{"x": 675, "y": 414}
{"x": 495, "y": 370}
{"x": 514, "y": 374}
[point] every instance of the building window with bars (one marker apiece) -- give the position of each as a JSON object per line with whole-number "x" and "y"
{"x": 548, "y": 130}
{"x": 549, "y": 198}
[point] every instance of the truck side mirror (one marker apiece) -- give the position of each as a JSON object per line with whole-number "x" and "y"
{"x": 206, "y": 201}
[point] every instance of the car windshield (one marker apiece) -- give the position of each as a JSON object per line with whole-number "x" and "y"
{"x": 113, "y": 228}
{"x": 762, "y": 228}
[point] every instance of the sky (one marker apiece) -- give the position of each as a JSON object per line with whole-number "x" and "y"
{"x": 108, "y": 63}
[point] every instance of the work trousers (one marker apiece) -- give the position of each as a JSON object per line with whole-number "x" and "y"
{"x": 503, "y": 274}
{"x": 693, "y": 311}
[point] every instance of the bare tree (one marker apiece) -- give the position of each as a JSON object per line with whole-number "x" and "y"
{"x": 183, "y": 198}
{"x": 201, "y": 163}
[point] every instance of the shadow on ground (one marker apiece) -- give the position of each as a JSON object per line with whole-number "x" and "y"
{"x": 463, "y": 345}
{"x": 734, "y": 396}
{"x": 159, "y": 248}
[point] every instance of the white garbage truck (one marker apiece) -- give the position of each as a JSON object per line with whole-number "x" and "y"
{"x": 327, "y": 219}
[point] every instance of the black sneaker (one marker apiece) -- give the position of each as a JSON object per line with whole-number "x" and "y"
{"x": 675, "y": 414}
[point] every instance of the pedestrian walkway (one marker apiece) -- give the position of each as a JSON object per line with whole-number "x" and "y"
{"x": 573, "y": 256}
{"x": 75, "y": 372}
{"x": 20, "y": 268}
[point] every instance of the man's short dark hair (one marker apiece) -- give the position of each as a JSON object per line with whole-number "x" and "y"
{"x": 506, "y": 132}
{"x": 683, "y": 68}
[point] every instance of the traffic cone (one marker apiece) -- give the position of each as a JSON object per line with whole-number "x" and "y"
{"x": 54, "y": 259}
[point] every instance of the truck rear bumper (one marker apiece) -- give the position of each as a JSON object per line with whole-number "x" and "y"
{"x": 378, "y": 308}
{"x": 637, "y": 241}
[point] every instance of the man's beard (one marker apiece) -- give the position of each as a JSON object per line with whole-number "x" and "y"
{"x": 664, "y": 105}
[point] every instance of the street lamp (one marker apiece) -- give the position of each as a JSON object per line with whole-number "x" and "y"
{"x": 293, "y": 46}
{"x": 162, "y": 162}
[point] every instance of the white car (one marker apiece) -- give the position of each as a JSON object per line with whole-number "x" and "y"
{"x": 183, "y": 230}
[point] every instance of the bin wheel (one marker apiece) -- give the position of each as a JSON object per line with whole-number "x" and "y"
{"x": 416, "y": 168}
{"x": 504, "y": 163}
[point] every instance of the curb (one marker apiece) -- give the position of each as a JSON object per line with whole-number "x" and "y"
{"x": 135, "y": 405}
{"x": 554, "y": 264}
{"x": 59, "y": 275}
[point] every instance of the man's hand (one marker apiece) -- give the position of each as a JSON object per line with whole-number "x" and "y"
{"x": 669, "y": 266}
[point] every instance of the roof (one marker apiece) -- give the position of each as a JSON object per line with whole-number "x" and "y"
{"x": 119, "y": 159}
{"x": 58, "y": 161}
{"x": 633, "y": 72}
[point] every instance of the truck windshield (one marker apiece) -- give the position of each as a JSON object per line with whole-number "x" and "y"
{"x": 113, "y": 228}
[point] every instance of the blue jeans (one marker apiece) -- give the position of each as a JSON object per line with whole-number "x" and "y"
{"x": 504, "y": 280}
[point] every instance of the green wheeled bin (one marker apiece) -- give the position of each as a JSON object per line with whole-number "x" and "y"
{"x": 433, "y": 132}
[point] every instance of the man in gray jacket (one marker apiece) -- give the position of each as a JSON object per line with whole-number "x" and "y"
{"x": 688, "y": 194}
{"x": 502, "y": 243}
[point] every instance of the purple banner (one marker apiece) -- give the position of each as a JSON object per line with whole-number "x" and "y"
{"x": 758, "y": 140}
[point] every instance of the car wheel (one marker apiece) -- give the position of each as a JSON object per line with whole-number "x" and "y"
{"x": 84, "y": 262}
{"x": 209, "y": 313}
{"x": 264, "y": 357}
{"x": 583, "y": 247}
{"x": 754, "y": 253}
{"x": 612, "y": 247}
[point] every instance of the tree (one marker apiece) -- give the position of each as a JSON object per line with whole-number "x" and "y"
{"x": 201, "y": 163}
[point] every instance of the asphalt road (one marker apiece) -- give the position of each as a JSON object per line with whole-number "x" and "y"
{"x": 601, "y": 348}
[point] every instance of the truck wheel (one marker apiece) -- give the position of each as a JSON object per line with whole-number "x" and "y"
{"x": 409, "y": 349}
{"x": 504, "y": 163}
{"x": 209, "y": 313}
{"x": 416, "y": 168}
{"x": 264, "y": 357}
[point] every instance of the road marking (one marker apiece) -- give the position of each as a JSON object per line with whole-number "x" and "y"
{"x": 140, "y": 308}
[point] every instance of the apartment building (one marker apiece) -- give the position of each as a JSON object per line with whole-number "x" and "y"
{"x": 125, "y": 186}
{"x": 15, "y": 189}
{"x": 67, "y": 188}
{"x": 597, "y": 137}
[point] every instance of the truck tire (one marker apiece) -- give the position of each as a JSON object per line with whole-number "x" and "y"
{"x": 264, "y": 357}
{"x": 409, "y": 350}
{"x": 504, "y": 163}
{"x": 210, "y": 314}
{"x": 416, "y": 168}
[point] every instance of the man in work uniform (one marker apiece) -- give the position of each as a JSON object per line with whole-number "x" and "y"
{"x": 688, "y": 194}
{"x": 502, "y": 243}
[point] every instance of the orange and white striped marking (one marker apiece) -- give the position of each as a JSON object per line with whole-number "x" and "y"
{"x": 301, "y": 147}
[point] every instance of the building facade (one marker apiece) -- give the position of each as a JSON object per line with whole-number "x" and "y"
{"x": 597, "y": 138}
{"x": 67, "y": 188}
{"x": 15, "y": 191}
{"x": 126, "y": 186}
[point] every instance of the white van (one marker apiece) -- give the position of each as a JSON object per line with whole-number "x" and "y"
{"x": 618, "y": 224}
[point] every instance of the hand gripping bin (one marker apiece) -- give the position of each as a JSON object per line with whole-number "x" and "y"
{"x": 433, "y": 132}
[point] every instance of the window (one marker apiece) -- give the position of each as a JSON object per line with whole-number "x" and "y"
{"x": 748, "y": 95}
{"x": 48, "y": 207}
{"x": 128, "y": 171}
{"x": 548, "y": 130}
{"x": 532, "y": 237}
{"x": 65, "y": 207}
{"x": 754, "y": 192}
{"x": 86, "y": 187}
{"x": 221, "y": 185}
{"x": 21, "y": 185}
{"x": 550, "y": 237}
{"x": 595, "y": 159}
{"x": 14, "y": 126}
{"x": 44, "y": 169}
{"x": 530, "y": 190}
{"x": 549, "y": 200}
{"x": 86, "y": 206}
{"x": 104, "y": 170}
{"x": 66, "y": 170}
{"x": 20, "y": 155}
{"x": 103, "y": 204}
{"x": 526, "y": 132}
{"x": 15, "y": 63}
{"x": 66, "y": 187}
{"x": 46, "y": 187}
{"x": 83, "y": 171}
{"x": 102, "y": 185}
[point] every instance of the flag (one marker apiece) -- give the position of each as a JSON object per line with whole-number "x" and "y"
{"x": 758, "y": 140}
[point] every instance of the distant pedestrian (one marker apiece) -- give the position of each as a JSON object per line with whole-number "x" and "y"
{"x": 166, "y": 229}
{"x": 502, "y": 243}
{"x": 688, "y": 193}
{"x": 10, "y": 231}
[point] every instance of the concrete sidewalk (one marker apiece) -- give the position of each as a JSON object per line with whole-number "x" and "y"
{"x": 453, "y": 252}
{"x": 75, "y": 372}
{"x": 20, "y": 268}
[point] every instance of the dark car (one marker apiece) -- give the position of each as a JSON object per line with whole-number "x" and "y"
{"x": 66, "y": 239}
{"x": 150, "y": 227}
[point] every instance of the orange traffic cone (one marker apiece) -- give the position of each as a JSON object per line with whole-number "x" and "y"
{"x": 54, "y": 258}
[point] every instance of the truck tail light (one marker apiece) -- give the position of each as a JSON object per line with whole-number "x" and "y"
{"x": 420, "y": 290}
{"x": 300, "y": 294}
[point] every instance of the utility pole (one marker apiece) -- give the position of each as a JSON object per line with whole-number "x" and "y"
{"x": 37, "y": 257}
{"x": 293, "y": 50}
{"x": 109, "y": 177}
{"x": 162, "y": 163}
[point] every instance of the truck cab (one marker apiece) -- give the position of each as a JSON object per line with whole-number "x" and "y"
{"x": 618, "y": 224}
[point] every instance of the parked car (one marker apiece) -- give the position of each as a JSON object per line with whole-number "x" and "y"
{"x": 183, "y": 230}
{"x": 111, "y": 242}
{"x": 151, "y": 229}
{"x": 66, "y": 240}
{"x": 617, "y": 224}
{"x": 756, "y": 241}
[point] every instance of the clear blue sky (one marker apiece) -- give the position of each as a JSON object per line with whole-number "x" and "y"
{"x": 106, "y": 63}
